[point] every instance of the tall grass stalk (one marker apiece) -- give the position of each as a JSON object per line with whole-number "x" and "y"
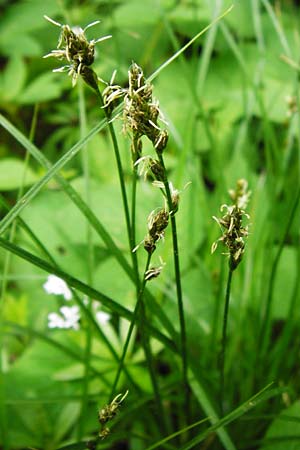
{"x": 130, "y": 331}
{"x": 132, "y": 243}
{"x": 119, "y": 168}
{"x": 224, "y": 340}
{"x": 90, "y": 259}
{"x": 178, "y": 286}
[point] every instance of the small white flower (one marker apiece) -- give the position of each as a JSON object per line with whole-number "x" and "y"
{"x": 68, "y": 318}
{"x": 55, "y": 321}
{"x": 72, "y": 316}
{"x": 102, "y": 317}
{"x": 57, "y": 286}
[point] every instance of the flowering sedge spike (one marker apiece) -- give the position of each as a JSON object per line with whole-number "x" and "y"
{"x": 107, "y": 413}
{"x": 147, "y": 165}
{"x": 79, "y": 53}
{"x": 141, "y": 112}
{"x": 157, "y": 223}
{"x": 231, "y": 224}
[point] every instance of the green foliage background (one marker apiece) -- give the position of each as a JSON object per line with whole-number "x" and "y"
{"x": 231, "y": 102}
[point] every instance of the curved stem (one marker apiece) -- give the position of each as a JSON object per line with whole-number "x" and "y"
{"x": 224, "y": 339}
{"x": 90, "y": 262}
{"x": 133, "y": 230}
{"x": 178, "y": 286}
{"x": 129, "y": 333}
{"x": 149, "y": 358}
{"x": 119, "y": 167}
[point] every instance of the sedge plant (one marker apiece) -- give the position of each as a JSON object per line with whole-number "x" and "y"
{"x": 141, "y": 114}
{"x": 143, "y": 122}
{"x": 234, "y": 233}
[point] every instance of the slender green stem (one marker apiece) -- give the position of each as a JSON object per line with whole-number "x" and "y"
{"x": 133, "y": 229}
{"x": 90, "y": 262}
{"x": 224, "y": 339}
{"x": 130, "y": 224}
{"x": 142, "y": 313}
{"x": 130, "y": 330}
{"x": 119, "y": 167}
{"x": 217, "y": 310}
{"x": 132, "y": 241}
{"x": 178, "y": 287}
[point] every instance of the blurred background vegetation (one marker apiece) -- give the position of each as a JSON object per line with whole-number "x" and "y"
{"x": 231, "y": 102}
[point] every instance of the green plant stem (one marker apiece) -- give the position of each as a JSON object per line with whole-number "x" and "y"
{"x": 149, "y": 358}
{"x": 180, "y": 306}
{"x": 130, "y": 330}
{"x": 139, "y": 315}
{"x": 140, "y": 305}
{"x": 119, "y": 167}
{"x": 224, "y": 339}
{"x": 217, "y": 310}
{"x": 130, "y": 224}
{"x": 90, "y": 261}
{"x": 131, "y": 236}
{"x": 133, "y": 229}
{"x": 132, "y": 243}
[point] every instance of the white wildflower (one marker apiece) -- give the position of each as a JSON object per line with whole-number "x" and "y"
{"x": 57, "y": 286}
{"x": 68, "y": 318}
{"x": 102, "y": 317}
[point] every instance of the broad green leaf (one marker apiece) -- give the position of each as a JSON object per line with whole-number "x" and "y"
{"x": 135, "y": 13}
{"x": 66, "y": 419}
{"x": 26, "y": 16}
{"x": 44, "y": 87}
{"x": 25, "y": 45}
{"x": 284, "y": 431}
{"x": 12, "y": 172}
{"x": 13, "y": 79}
